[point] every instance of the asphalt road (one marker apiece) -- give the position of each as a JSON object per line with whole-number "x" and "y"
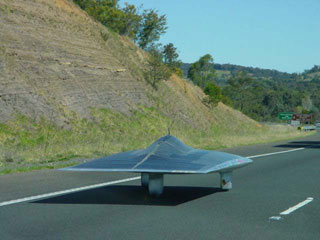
{"x": 192, "y": 206}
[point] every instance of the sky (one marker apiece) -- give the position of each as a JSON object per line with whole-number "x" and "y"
{"x": 273, "y": 34}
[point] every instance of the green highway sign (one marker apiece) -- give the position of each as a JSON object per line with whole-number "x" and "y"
{"x": 285, "y": 115}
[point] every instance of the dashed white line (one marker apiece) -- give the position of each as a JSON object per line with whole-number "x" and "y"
{"x": 299, "y": 205}
{"x": 292, "y": 209}
{"x": 32, "y": 198}
{"x": 275, "y": 218}
{"x": 66, "y": 191}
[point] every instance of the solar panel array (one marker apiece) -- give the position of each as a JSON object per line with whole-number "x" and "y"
{"x": 166, "y": 155}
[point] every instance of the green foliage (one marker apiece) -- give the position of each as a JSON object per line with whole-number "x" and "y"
{"x": 268, "y": 91}
{"x": 170, "y": 56}
{"x": 171, "y": 59}
{"x": 201, "y": 71}
{"x": 84, "y": 4}
{"x": 131, "y": 21}
{"x": 257, "y": 73}
{"x": 241, "y": 80}
{"x": 226, "y": 100}
{"x": 239, "y": 89}
{"x": 152, "y": 27}
{"x": 314, "y": 69}
{"x": 266, "y": 99}
{"x": 214, "y": 93}
{"x": 305, "y": 111}
{"x": 178, "y": 71}
{"x": 203, "y": 75}
{"x": 145, "y": 28}
{"x": 106, "y": 12}
{"x": 157, "y": 70}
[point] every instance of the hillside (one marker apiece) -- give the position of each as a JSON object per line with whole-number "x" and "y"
{"x": 225, "y": 71}
{"x": 56, "y": 60}
{"x": 269, "y": 91}
{"x": 70, "y": 88}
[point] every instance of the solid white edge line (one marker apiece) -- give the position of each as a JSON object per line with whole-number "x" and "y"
{"x": 106, "y": 184}
{"x": 299, "y": 205}
{"x": 32, "y": 198}
{"x": 274, "y": 153}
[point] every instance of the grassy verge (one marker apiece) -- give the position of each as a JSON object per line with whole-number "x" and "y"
{"x": 26, "y": 144}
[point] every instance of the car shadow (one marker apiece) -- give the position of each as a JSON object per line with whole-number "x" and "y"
{"x": 301, "y": 144}
{"x": 132, "y": 195}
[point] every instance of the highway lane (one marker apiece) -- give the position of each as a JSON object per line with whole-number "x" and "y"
{"x": 192, "y": 205}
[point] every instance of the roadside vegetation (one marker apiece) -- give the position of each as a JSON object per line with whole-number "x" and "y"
{"x": 26, "y": 144}
{"x": 144, "y": 27}
{"x": 269, "y": 91}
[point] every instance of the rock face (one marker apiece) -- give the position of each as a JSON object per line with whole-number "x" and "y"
{"x": 55, "y": 60}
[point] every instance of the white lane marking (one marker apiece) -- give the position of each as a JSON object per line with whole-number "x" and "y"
{"x": 275, "y": 218}
{"x": 67, "y": 191}
{"x": 108, "y": 183}
{"x": 299, "y": 205}
{"x": 274, "y": 153}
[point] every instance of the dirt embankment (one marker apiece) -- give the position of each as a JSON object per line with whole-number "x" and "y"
{"x": 55, "y": 60}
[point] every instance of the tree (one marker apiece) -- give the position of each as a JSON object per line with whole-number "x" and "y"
{"x": 131, "y": 21}
{"x": 307, "y": 103}
{"x": 315, "y": 112}
{"x": 226, "y": 100}
{"x": 214, "y": 95}
{"x": 170, "y": 56}
{"x": 157, "y": 70}
{"x": 107, "y": 12}
{"x": 241, "y": 80}
{"x": 202, "y": 72}
{"x": 240, "y": 90}
{"x": 84, "y": 4}
{"x": 144, "y": 28}
{"x": 152, "y": 27}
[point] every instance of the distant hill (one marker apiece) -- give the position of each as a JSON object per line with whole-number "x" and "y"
{"x": 225, "y": 71}
{"x": 312, "y": 74}
{"x": 270, "y": 91}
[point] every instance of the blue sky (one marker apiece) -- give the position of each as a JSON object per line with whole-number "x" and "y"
{"x": 275, "y": 34}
